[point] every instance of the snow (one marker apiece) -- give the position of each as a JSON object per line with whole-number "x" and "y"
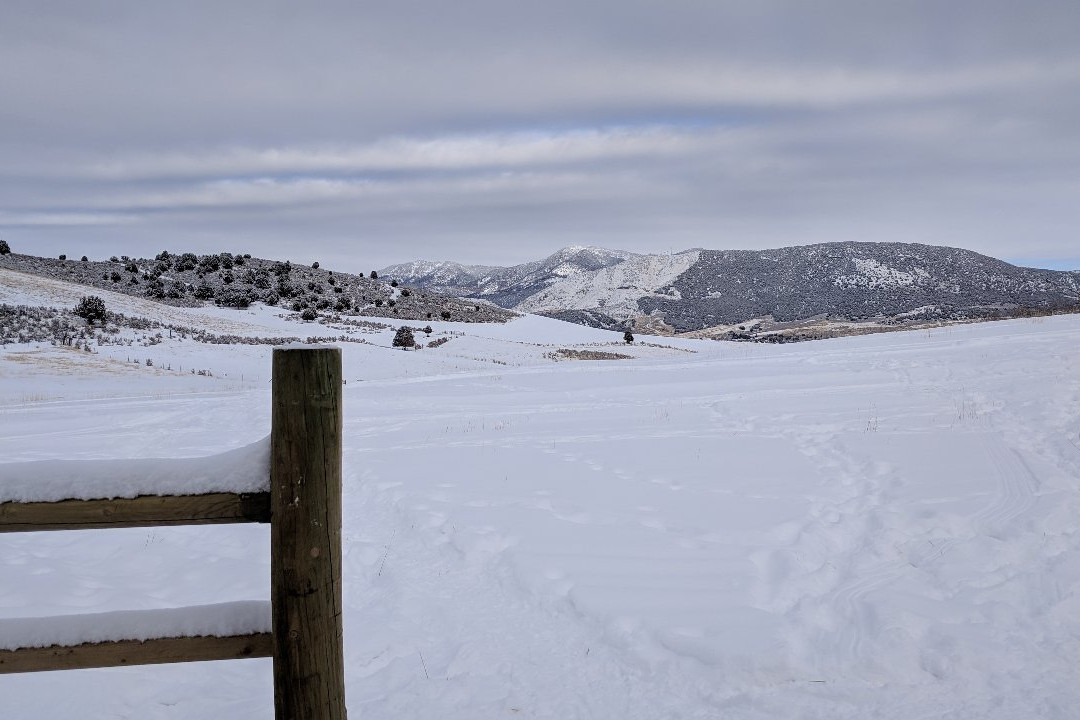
{"x": 22, "y": 289}
{"x": 245, "y": 469}
{"x": 440, "y": 271}
{"x": 615, "y": 290}
{"x": 218, "y": 620}
{"x": 871, "y": 273}
{"x": 879, "y": 526}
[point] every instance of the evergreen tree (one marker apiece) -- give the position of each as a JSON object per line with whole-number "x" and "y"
{"x": 233, "y": 298}
{"x": 91, "y": 308}
{"x": 404, "y": 337}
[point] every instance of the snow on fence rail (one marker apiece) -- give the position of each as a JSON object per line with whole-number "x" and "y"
{"x": 294, "y": 483}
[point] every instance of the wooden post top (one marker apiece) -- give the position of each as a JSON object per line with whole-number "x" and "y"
{"x": 297, "y": 347}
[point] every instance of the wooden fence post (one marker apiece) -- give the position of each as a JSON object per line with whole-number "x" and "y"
{"x": 305, "y": 490}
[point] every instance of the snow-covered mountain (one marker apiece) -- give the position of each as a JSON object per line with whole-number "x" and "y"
{"x": 698, "y": 289}
{"x": 505, "y": 286}
{"x": 608, "y": 283}
{"x": 449, "y": 277}
{"x": 856, "y": 281}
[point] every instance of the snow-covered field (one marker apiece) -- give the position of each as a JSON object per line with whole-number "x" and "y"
{"x": 883, "y": 526}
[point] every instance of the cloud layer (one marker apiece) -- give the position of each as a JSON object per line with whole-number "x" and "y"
{"x": 370, "y": 133}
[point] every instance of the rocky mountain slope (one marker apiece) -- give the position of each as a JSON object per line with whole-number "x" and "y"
{"x": 762, "y": 290}
{"x": 238, "y": 280}
{"x": 856, "y": 281}
{"x": 508, "y": 286}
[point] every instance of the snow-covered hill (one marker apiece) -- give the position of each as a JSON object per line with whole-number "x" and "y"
{"x": 697, "y": 289}
{"x": 236, "y": 281}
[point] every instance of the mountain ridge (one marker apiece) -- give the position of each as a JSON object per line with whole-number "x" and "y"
{"x": 698, "y": 289}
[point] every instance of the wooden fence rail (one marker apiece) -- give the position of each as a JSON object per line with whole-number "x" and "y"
{"x": 141, "y": 511}
{"x": 119, "y": 653}
{"x": 303, "y": 508}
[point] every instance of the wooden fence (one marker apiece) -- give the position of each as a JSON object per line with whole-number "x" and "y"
{"x": 303, "y": 508}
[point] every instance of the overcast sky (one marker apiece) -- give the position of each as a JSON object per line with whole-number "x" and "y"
{"x": 364, "y": 133}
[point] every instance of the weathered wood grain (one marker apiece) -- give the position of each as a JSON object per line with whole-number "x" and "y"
{"x": 305, "y": 488}
{"x": 135, "y": 652}
{"x": 141, "y": 511}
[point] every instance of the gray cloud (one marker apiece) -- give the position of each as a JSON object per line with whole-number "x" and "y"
{"x": 487, "y": 131}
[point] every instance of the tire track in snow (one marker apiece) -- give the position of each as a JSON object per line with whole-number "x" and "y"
{"x": 857, "y": 534}
{"x": 831, "y": 609}
{"x": 1015, "y": 496}
{"x": 1017, "y": 486}
{"x": 851, "y": 601}
{"x": 851, "y": 608}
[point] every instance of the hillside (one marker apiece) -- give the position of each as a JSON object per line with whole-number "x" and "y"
{"x": 859, "y": 282}
{"x": 229, "y": 280}
{"x": 788, "y": 293}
